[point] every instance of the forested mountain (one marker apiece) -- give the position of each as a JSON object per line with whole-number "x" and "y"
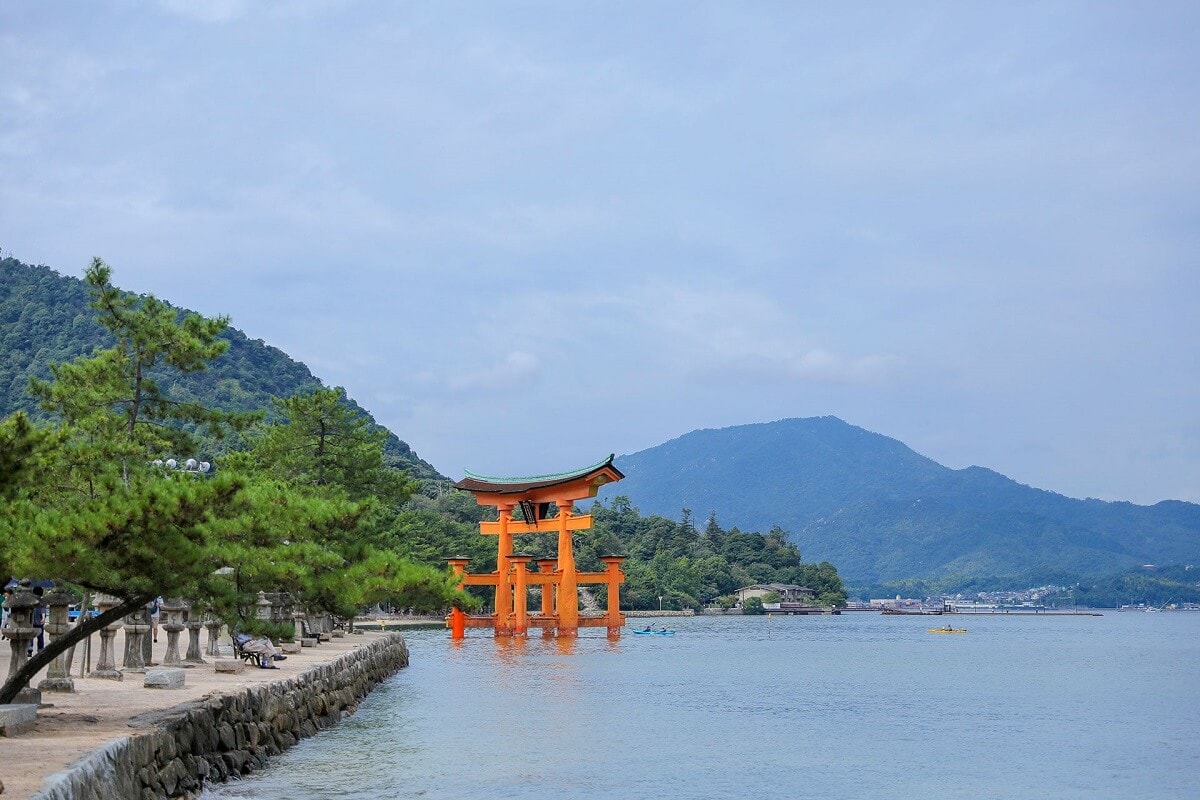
{"x": 881, "y": 512}
{"x": 44, "y": 318}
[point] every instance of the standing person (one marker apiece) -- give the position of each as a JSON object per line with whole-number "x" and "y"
{"x": 155, "y": 613}
{"x": 4, "y": 612}
{"x": 39, "y": 622}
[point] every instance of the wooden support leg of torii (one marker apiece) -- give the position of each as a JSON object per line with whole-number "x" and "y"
{"x": 568, "y": 585}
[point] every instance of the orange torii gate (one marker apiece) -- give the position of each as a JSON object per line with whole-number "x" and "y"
{"x": 559, "y": 579}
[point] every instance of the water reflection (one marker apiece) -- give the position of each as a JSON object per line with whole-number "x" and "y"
{"x": 509, "y": 649}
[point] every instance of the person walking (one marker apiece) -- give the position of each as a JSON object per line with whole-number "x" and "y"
{"x": 155, "y": 615}
{"x": 39, "y": 622}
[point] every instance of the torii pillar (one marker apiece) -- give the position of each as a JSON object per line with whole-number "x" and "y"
{"x": 546, "y": 566}
{"x": 568, "y": 582}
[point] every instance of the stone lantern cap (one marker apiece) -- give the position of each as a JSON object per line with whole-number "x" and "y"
{"x": 20, "y": 605}
{"x": 106, "y": 601}
{"x": 58, "y": 600}
{"x": 58, "y": 596}
{"x": 22, "y": 600}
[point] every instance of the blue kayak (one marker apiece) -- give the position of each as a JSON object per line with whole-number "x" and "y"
{"x": 655, "y": 633}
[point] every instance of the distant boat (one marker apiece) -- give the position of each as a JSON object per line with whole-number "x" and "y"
{"x": 947, "y": 629}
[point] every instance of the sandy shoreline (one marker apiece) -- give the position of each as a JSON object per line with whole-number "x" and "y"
{"x": 100, "y": 711}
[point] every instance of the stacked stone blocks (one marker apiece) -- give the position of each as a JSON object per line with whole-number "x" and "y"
{"x": 226, "y": 736}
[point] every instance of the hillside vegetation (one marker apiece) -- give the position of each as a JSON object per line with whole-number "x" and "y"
{"x": 44, "y": 319}
{"x": 1173, "y": 585}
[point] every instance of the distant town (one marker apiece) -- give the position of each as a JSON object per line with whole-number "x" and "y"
{"x": 1048, "y": 598}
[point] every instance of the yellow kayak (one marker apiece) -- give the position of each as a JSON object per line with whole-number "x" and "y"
{"x": 947, "y": 630}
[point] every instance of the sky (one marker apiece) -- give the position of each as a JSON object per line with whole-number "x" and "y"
{"x": 525, "y": 235}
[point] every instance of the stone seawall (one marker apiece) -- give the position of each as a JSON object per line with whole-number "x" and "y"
{"x": 223, "y": 736}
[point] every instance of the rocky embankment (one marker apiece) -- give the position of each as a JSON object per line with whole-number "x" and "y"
{"x": 177, "y": 750}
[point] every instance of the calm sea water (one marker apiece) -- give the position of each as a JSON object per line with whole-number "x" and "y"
{"x": 856, "y": 706}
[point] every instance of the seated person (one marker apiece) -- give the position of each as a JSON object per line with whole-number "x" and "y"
{"x": 262, "y": 647}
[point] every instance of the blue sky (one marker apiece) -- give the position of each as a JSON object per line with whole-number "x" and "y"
{"x": 526, "y": 235}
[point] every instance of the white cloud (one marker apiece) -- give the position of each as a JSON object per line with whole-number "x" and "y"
{"x": 712, "y": 329}
{"x": 517, "y": 369}
{"x": 820, "y": 364}
{"x": 210, "y": 11}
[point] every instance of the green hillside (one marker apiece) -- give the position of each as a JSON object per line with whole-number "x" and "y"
{"x": 44, "y": 318}
{"x": 1158, "y": 586}
{"x": 884, "y": 513}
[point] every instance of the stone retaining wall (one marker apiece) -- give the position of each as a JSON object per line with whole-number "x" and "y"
{"x": 227, "y": 735}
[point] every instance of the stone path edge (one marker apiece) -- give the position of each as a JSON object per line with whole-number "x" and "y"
{"x": 180, "y": 749}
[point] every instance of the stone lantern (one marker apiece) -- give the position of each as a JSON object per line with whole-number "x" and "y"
{"x": 137, "y": 625}
{"x": 174, "y": 608}
{"x": 58, "y": 624}
{"x": 263, "y": 610}
{"x": 281, "y": 611}
{"x": 194, "y": 621}
{"x": 298, "y": 618}
{"x": 106, "y": 666}
{"x": 285, "y": 607}
{"x": 19, "y": 631}
{"x": 213, "y": 624}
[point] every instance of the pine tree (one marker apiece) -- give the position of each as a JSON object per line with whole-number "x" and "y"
{"x": 92, "y": 508}
{"x": 322, "y": 450}
{"x": 89, "y": 500}
{"x": 324, "y": 444}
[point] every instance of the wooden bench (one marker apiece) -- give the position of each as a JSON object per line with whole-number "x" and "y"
{"x": 253, "y": 659}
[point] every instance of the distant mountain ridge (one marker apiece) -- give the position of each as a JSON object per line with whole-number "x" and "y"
{"x": 881, "y": 512}
{"x": 44, "y": 318}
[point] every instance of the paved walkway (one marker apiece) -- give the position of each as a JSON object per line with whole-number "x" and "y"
{"x": 100, "y": 710}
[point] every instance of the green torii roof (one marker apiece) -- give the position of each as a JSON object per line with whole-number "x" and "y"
{"x": 493, "y": 485}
